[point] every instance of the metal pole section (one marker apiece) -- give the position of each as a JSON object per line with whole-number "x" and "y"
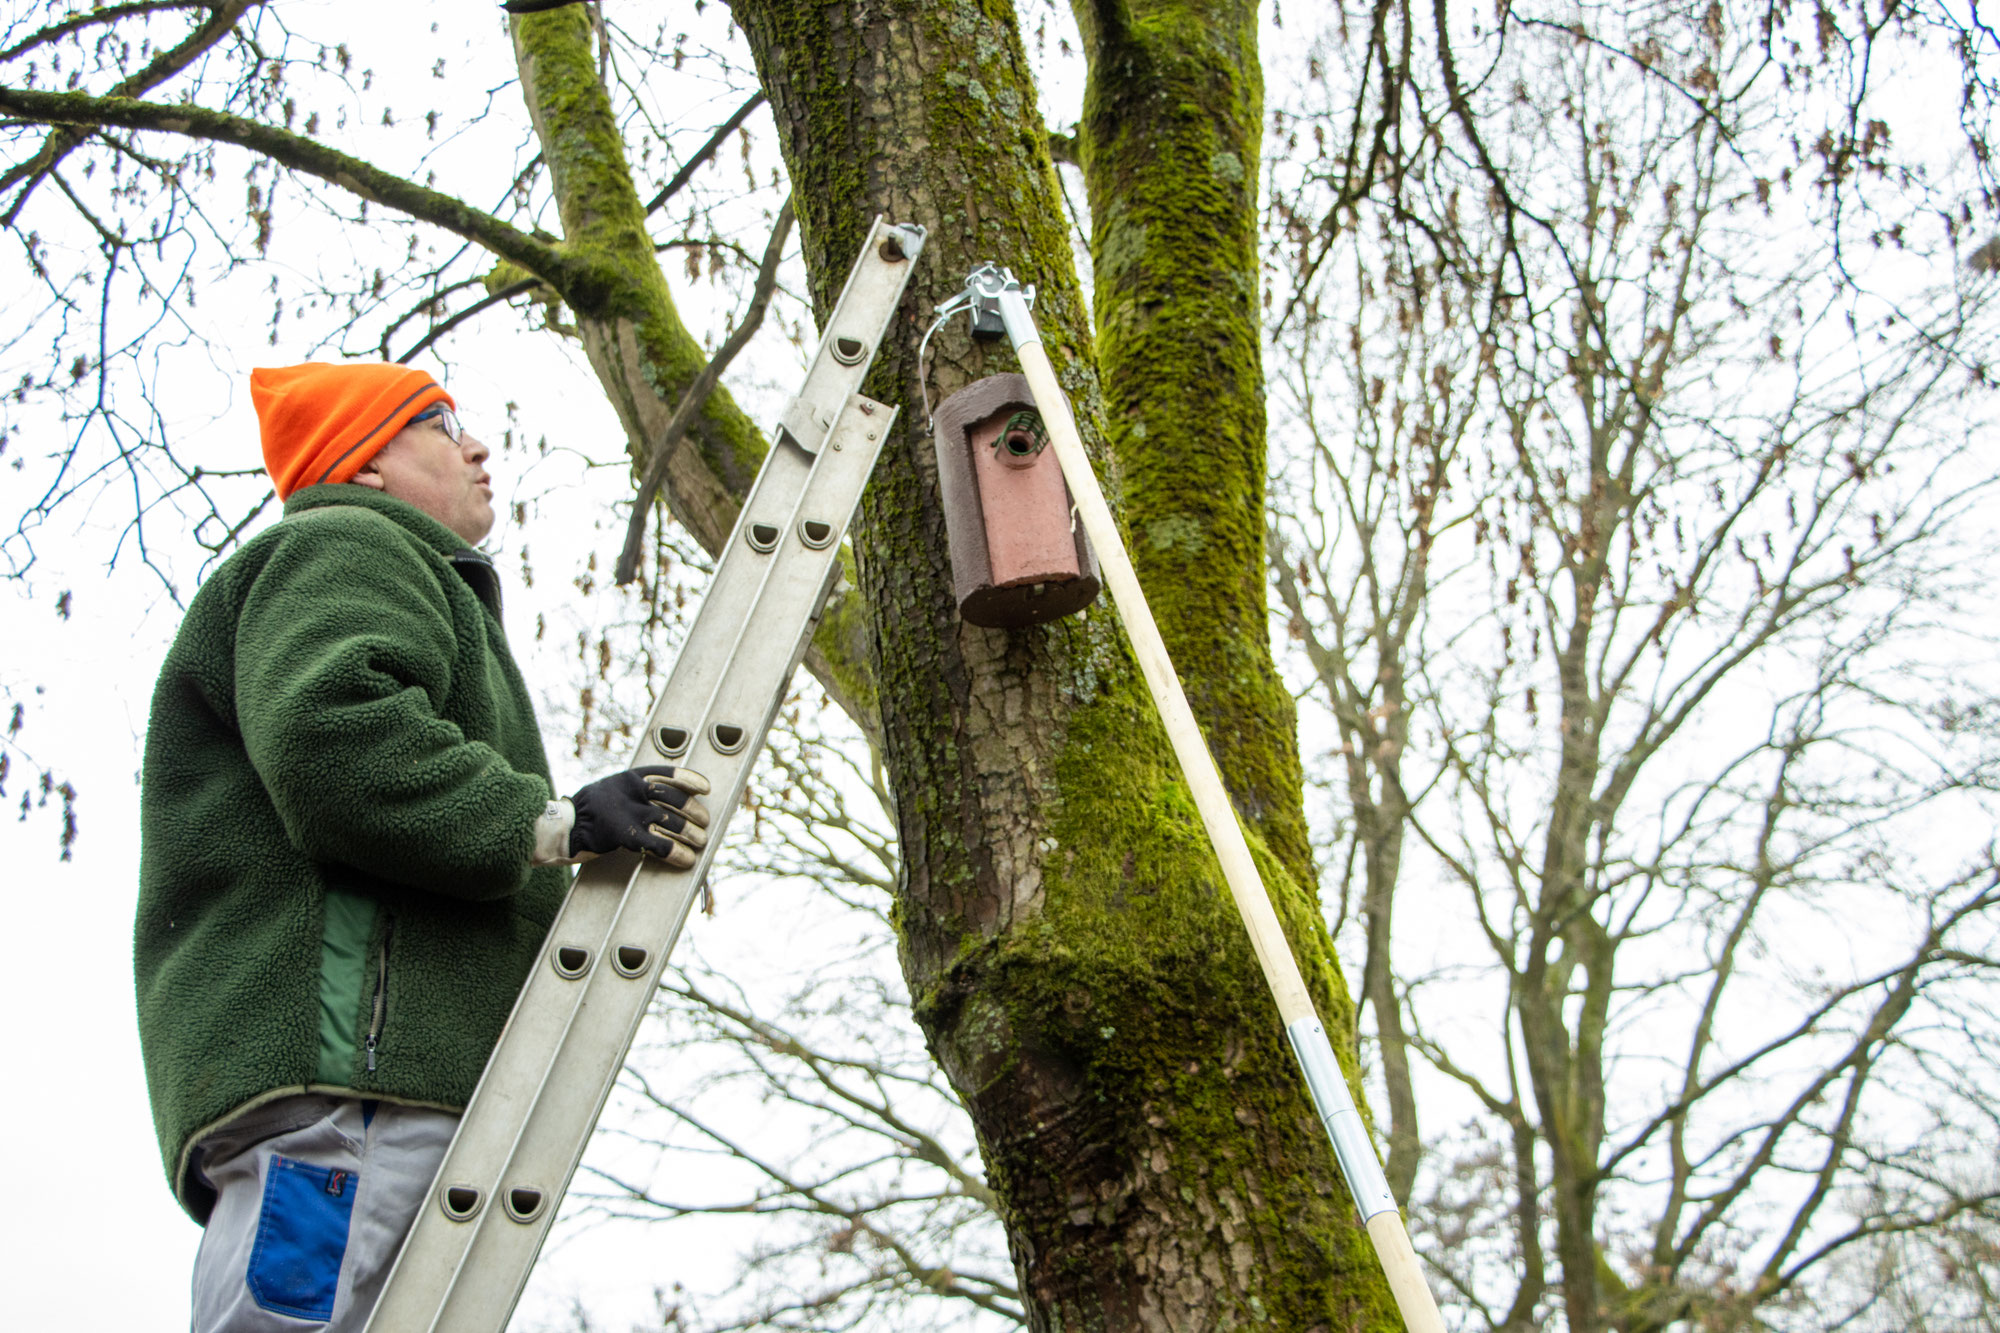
{"x": 1337, "y": 1112}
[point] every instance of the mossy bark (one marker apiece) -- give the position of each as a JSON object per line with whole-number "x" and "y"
{"x": 1170, "y": 145}
{"x": 641, "y": 351}
{"x": 1076, "y": 962}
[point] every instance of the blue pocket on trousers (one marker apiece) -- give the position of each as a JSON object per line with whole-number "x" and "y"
{"x": 301, "y": 1238}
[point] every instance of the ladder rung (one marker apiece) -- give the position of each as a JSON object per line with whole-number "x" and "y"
{"x": 475, "y": 1240}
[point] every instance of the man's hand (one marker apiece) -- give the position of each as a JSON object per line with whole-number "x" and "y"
{"x": 654, "y": 810}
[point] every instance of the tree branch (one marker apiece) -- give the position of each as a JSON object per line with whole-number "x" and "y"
{"x": 990, "y": 1294}
{"x": 697, "y": 394}
{"x": 702, "y": 154}
{"x": 91, "y": 17}
{"x": 548, "y": 261}
{"x": 163, "y": 67}
{"x": 506, "y": 293}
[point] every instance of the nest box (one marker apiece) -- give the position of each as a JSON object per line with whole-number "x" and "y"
{"x": 1016, "y": 557}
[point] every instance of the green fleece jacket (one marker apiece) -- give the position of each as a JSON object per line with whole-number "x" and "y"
{"x": 337, "y": 811}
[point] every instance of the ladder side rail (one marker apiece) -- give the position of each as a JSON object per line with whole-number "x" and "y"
{"x": 769, "y": 569}
{"x": 494, "y": 1134}
{"x": 580, "y": 1002}
{"x": 827, "y": 386}
{"x": 724, "y": 801}
{"x": 584, "y": 1071}
{"x": 536, "y": 1029}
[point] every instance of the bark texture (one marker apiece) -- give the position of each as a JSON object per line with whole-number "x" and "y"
{"x": 642, "y": 353}
{"x": 1169, "y": 145}
{"x": 1076, "y": 963}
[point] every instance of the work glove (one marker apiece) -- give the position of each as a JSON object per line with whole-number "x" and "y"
{"x": 654, "y": 810}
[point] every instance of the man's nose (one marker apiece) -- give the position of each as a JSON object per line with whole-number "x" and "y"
{"x": 475, "y": 451}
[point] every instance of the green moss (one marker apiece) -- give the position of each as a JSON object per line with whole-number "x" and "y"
{"x": 1138, "y": 980}
{"x": 1172, "y": 114}
{"x": 504, "y": 275}
{"x": 582, "y": 145}
{"x": 604, "y": 225}
{"x": 844, "y": 633}
{"x": 1176, "y": 535}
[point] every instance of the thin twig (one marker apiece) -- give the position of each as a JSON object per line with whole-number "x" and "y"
{"x": 702, "y": 154}
{"x": 696, "y": 396}
{"x": 507, "y": 293}
{"x": 160, "y": 69}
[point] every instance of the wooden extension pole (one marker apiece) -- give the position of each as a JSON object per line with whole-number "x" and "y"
{"x": 1356, "y": 1154}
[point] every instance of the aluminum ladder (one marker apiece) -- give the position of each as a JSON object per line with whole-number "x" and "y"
{"x": 475, "y": 1239}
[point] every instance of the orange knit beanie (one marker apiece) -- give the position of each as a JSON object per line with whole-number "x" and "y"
{"x": 322, "y": 422}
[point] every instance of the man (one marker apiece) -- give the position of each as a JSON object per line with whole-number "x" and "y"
{"x": 349, "y": 855}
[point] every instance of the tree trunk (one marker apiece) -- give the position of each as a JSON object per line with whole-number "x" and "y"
{"x": 641, "y": 351}
{"x": 1565, "y": 1067}
{"x": 1075, "y": 961}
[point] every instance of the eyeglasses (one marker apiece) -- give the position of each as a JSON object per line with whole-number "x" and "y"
{"x": 445, "y": 417}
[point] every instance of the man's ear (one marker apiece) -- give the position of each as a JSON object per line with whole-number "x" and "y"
{"x": 370, "y": 475}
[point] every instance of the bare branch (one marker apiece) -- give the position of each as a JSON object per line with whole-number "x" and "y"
{"x": 576, "y": 278}
{"x": 660, "y": 455}
{"x": 704, "y": 153}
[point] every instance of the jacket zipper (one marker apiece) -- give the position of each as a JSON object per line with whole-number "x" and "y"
{"x": 380, "y": 1009}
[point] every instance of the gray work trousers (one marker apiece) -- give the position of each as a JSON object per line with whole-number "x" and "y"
{"x": 313, "y": 1198}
